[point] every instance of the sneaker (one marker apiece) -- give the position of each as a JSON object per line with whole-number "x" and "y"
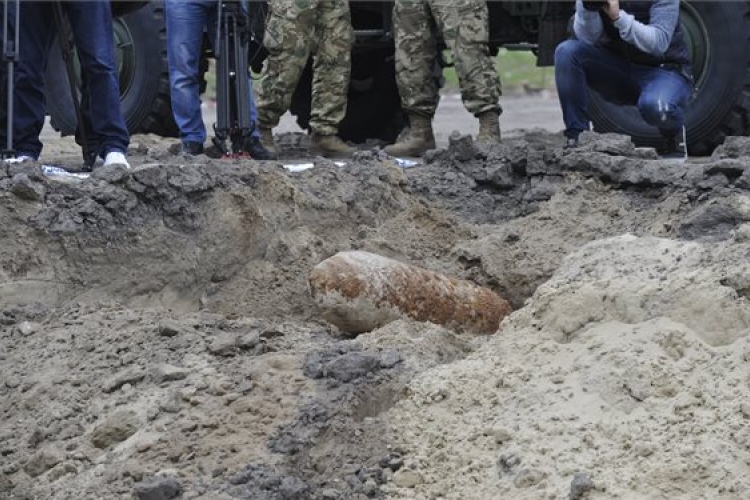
{"x": 676, "y": 146}
{"x": 571, "y": 143}
{"x": 258, "y": 151}
{"x": 191, "y": 148}
{"x": 21, "y": 158}
{"x": 116, "y": 158}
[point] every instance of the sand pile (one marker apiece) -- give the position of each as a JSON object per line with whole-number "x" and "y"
{"x": 158, "y": 338}
{"x": 627, "y": 373}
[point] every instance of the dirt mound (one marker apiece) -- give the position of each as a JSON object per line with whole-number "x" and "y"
{"x": 158, "y": 334}
{"x": 211, "y": 235}
{"x": 628, "y": 368}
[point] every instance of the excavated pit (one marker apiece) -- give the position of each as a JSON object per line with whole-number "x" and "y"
{"x": 156, "y": 323}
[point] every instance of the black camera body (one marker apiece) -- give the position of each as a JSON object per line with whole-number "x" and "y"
{"x": 594, "y": 4}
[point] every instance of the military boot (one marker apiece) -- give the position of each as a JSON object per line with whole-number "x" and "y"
{"x": 417, "y": 141}
{"x": 331, "y": 146}
{"x": 489, "y": 127}
{"x": 266, "y": 137}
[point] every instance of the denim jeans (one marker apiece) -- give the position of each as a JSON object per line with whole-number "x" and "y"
{"x": 659, "y": 94}
{"x": 186, "y": 20}
{"x": 91, "y": 22}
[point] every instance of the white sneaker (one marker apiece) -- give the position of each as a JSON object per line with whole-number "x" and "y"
{"x": 116, "y": 158}
{"x": 20, "y": 159}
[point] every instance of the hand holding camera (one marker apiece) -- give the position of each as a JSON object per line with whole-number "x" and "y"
{"x": 594, "y": 5}
{"x": 610, "y": 7}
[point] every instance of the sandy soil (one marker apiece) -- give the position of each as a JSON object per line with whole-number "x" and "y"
{"x": 158, "y": 340}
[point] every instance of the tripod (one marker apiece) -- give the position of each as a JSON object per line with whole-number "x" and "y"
{"x": 10, "y": 57}
{"x": 232, "y": 87}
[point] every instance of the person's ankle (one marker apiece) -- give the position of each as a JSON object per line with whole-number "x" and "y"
{"x": 571, "y": 139}
{"x": 675, "y": 145}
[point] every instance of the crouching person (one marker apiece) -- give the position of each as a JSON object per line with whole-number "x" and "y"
{"x": 631, "y": 53}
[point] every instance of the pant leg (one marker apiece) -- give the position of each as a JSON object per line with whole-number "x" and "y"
{"x": 580, "y": 66}
{"x": 332, "y": 66}
{"x": 465, "y": 28}
{"x": 416, "y": 50}
{"x": 36, "y": 33}
{"x": 664, "y": 96}
{"x": 91, "y": 22}
{"x": 251, "y": 98}
{"x": 288, "y": 39}
{"x": 185, "y": 20}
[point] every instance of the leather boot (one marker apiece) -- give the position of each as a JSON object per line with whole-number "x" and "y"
{"x": 266, "y": 137}
{"x": 489, "y": 127}
{"x": 331, "y": 146}
{"x": 417, "y": 141}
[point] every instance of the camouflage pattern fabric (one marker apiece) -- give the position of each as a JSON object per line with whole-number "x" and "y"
{"x": 295, "y": 29}
{"x": 465, "y": 28}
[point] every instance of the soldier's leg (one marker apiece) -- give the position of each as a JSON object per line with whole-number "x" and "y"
{"x": 288, "y": 39}
{"x": 416, "y": 53}
{"x": 416, "y": 50}
{"x": 332, "y": 66}
{"x": 465, "y": 28}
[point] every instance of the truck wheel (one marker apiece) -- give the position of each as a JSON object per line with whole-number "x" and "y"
{"x": 373, "y": 107}
{"x": 140, "y": 44}
{"x": 717, "y": 34}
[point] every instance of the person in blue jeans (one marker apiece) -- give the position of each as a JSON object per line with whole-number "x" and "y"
{"x": 186, "y": 21}
{"x": 631, "y": 53}
{"x": 91, "y": 23}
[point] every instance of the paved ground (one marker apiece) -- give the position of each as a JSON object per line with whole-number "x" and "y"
{"x": 520, "y": 113}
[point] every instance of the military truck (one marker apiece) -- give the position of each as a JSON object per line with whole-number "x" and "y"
{"x": 718, "y": 34}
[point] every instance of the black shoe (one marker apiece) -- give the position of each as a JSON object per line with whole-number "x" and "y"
{"x": 191, "y": 148}
{"x": 571, "y": 143}
{"x": 258, "y": 151}
{"x": 676, "y": 146}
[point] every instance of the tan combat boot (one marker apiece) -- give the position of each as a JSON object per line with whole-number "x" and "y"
{"x": 331, "y": 146}
{"x": 417, "y": 141}
{"x": 266, "y": 137}
{"x": 489, "y": 127}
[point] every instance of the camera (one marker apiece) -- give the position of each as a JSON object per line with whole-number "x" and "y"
{"x": 594, "y": 4}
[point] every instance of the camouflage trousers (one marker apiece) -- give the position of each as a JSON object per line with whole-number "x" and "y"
{"x": 296, "y": 29}
{"x": 464, "y": 25}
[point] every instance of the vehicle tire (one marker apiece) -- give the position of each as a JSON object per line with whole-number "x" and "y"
{"x": 140, "y": 44}
{"x": 718, "y": 35}
{"x": 373, "y": 107}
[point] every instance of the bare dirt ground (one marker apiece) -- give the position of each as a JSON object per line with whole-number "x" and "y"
{"x": 158, "y": 339}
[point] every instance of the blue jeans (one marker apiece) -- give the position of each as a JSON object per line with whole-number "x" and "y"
{"x": 186, "y": 20}
{"x": 91, "y": 22}
{"x": 660, "y": 94}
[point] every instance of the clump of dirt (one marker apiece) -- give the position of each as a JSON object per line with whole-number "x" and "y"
{"x": 158, "y": 335}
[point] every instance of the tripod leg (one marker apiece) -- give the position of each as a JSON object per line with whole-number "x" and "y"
{"x": 233, "y": 88}
{"x": 223, "y": 106}
{"x": 10, "y": 56}
{"x": 241, "y": 87}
